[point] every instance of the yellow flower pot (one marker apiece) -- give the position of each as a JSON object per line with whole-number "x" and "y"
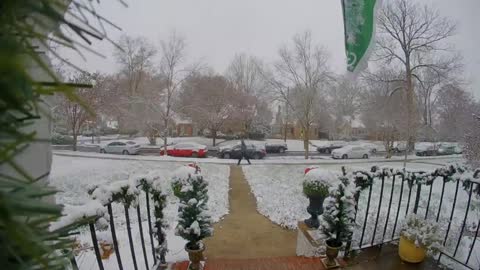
{"x": 409, "y": 252}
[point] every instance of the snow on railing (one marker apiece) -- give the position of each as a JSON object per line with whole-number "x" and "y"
{"x": 439, "y": 201}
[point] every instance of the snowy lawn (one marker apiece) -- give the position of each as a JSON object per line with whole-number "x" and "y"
{"x": 74, "y": 175}
{"x": 278, "y": 191}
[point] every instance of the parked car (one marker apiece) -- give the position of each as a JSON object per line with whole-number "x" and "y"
{"x": 120, "y": 147}
{"x": 186, "y": 149}
{"x": 350, "y": 151}
{"x": 327, "y": 149}
{"x": 449, "y": 150}
{"x": 276, "y": 147}
{"x": 446, "y": 150}
{"x": 426, "y": 151}
{"x": 372, "y": 147}
{"x": 399, "y": 147}
{"x": 234, "y": 151}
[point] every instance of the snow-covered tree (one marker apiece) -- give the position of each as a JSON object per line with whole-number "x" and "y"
{"x": 194, "y": 224}
{"x": 339, "y": 213}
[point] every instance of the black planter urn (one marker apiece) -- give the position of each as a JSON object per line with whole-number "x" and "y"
{"x": 315, "y": 208}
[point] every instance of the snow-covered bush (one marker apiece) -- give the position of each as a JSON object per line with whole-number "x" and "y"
{"x": 318, "y": 181}
{"x": 194, "y": 224}
{"x": 180, "y": 177}
{"x": 338, "y": 219}
{"x": 422, "y": 232}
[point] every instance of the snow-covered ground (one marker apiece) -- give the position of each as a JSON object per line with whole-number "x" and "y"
{"x": 74, "y": 175}
{"x": 278, "y": 190}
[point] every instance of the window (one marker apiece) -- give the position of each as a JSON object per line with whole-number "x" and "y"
{"x": 131, "y": 142}
{"x": 180, "y": 145}
{"x": 121, "y": 144}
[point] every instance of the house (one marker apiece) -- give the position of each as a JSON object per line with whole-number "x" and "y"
{"x": 184, "y": 128}
{"x": 351, "y": 128}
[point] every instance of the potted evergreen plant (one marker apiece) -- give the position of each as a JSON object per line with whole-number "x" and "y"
{"x": 417, "y": 238}
{"x": 194, "y": 224}
{"x": 338, "y": 220}
{"x": 316, "y": 184}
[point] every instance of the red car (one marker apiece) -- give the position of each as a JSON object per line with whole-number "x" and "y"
{"x": 186, "y": 150}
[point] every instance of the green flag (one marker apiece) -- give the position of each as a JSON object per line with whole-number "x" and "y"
{"x": 359, "y": 23}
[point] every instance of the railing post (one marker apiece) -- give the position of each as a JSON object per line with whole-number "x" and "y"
{"x": 130, "y": 240}
{"x": 114, "y": 237}
{"x": 95, "y": 245}
{"x": 417, "y": 198}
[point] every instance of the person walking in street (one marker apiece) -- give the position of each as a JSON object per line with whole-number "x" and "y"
{"x": 244, "y": 154}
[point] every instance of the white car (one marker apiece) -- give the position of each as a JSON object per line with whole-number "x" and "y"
{"x": 350, "y": 151}
{"x": 120, "y": 147}
{"x": 372, "y": 147}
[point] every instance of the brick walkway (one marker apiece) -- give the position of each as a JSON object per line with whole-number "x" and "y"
{"x": 283, "y": 263}
{"x": 244, "y": 233}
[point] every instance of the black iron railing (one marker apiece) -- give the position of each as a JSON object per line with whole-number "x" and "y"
{"x": 131, "y": 243}
{"x": 371, "y": 210}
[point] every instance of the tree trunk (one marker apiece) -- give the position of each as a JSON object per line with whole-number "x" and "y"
{"x": 214, "y": 137}
{"x": 425, "y": 113}
{"x": 306, "y": 135}
{"x": 74, "y": 146}
{"x": 411, "y": 126}
{"x": 152, "y": 138}
{"x": 165, "y": 134}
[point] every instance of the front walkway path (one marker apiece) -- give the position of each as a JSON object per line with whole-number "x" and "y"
{"x": 244, "y": 233}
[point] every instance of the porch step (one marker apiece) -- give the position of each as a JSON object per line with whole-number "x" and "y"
{"x": 375, "y": 258}
{"x": 386, "y": 258}
{"x": 281, "y": 263}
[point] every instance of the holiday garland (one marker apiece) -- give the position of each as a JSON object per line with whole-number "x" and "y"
{"x": 450, "y": 173}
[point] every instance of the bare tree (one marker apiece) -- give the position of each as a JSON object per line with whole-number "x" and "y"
{"x": 135, "y": 56}
{"x": 407, "y": 34}
{"x": 76, "y": 113}
{"x": 245, "y": 75}
{"x": 383, "y": 107}
{"x": 302, "y": 68}
{"x": 174, "y": 71}
{"x": 430, "y": 81}
{"x": 455, "y": 109}
{"x": 344, "y": 98}
{"x": 207, "y": 100}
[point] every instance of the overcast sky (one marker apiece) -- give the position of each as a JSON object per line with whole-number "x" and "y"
{"x": 216, "y": 30}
